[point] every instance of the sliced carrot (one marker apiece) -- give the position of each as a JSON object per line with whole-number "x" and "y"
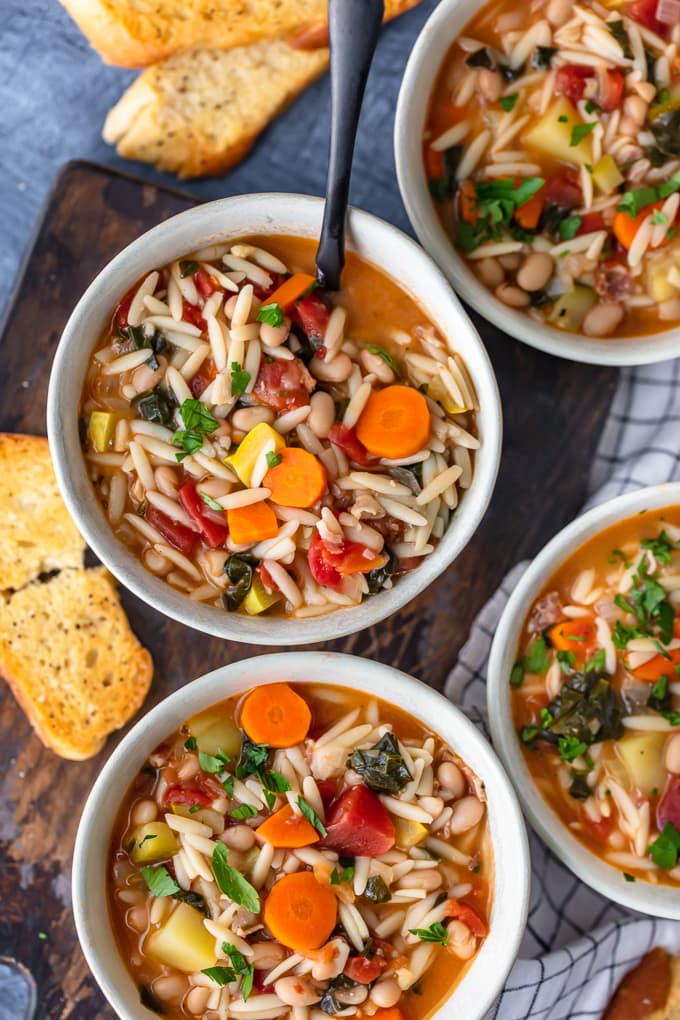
{"x": 299, "y": 912}
{"x": 577, "y": 636}
{"x": 393, "y": 1013}
{"x": 274, "y": 714}
{"x": 291, "y": 289}
{"x": 467, "y": 202}
{"x": 394, "y": 423}
{"x": 298, "y": 480}
{"x": 252, "y": 523}
{"x": 528, "y": 215}
{"x": 625, "y": 227}
{"x": 434, "y": 163}
{"x": 659, "y": 666}
{"x": 285, "y": 829}
{"x": 355, "y": 561}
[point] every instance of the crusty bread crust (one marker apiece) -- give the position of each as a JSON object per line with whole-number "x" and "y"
{"x": 198, "y": 113}
{"x": 71, "y": 660}
{"x": 136, "y": 33}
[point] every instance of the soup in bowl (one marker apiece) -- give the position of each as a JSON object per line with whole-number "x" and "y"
{"x": 551, "y": 158}
{"x": 263, "y": 452}
{"x": 277, "y": 845}
{"x": 592, "y": 696}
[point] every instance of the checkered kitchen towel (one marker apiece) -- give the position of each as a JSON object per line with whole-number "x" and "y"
{"x": 578, "y": 945}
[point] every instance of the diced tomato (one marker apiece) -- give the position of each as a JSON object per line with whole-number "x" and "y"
{"x": 314, "y": 313}
{"x": 563, "y": 191}
{"x": 610, "y": 91}
{"x": 327, "y": 790}
{"x": 263, "y": 292}
{"x": 668, "y": 808}
{"x": 364, "y": 971}
{"x": 267, "y": 579}
{"x": 571, "y": 81}
{"x": 346, "y": 438}
{"x": 283, "y": 385}
{"x": 601, "y": 829}
{"x": 193, "y": 314}
{"x": 203, "y": 377}
{"x": 358, "y": 824}
{"x": 172, "y": 531}
{"x": 463, "y": 912}
{"x": 644, "y": 12}
{"x": 590, "y": 222}
{"x": 434, "y": 163}
{"x": 320, "y": 565}
{"x": 187, "y": 797}
{"x": 204, "y": 284}
{"x": 210, "y": 523}
{"x": 120, "y": 316}
{"x": 259, "y": 983}
{"x": 409, "y": 563}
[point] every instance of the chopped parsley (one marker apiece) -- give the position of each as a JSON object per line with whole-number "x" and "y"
{"x": 508, "y": 102}
{"x": 661, "y": 548}
{"x": 271, "y": 314}
{"x": 209, "y": 501}
{"x": 310, "y": 814}
{"x": 571, "y": 748}
{"x": 243, "y": 811}
{"x": 632, "y": 202}
{"x": 592, "y": 107}
{"x": 239, "y": 379}
{"x": 436, "y": 933}
{"x": 338, "y": 877}
{"x": 190, "y": 744}
{"x": 231, "y": 882}
{"x": 273, "y": 459}
{"x": 616, "y": 556}
{"x": 213, "y": 762}
{"x": 569, "y": 227}
{"x": 628, "y": 878}
{"x": 220, "y": 975}
{"x": 495, "y": 203}
{"x": 537, "y": 658}
{"x": 159, "y": 881}
{"x": 517, "y": 675}
{"x": 273, "y": 783}
{"x": 566, "y": 661}
{"x": 672, "y": 717}
{"x": 597, "y": 663}
{"x": 581, "y": 131}
{"x": 241, "y": 967}
{"x": 198, "y": 422}
{"x": 563, "y": 119}
{"x": 665, "y": 848}
{"x": 659, "y": 219}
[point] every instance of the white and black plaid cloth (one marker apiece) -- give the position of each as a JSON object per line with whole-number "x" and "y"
{"x": 578, "y": 944}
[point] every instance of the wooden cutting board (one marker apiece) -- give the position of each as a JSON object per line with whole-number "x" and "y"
{"x": 553, "y": 410}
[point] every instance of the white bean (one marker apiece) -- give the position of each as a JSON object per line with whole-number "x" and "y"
{"x": 169, "y": 986}
{"x": 274, "y": 336}
{"x": 462, "y": 942}
{"x": 352, "y": 996}
{"x": 377, "y": 365}
{"x": 490, "y": 272}
{"x": 535, "y": 271}
{"x": 603, "y": 318}
{"x": 669, "y": 309}
{"x": 137, "y": 918}
{"x": 296, "y": 991}
{"x": 386, "y": 993}
{"x": 330, "y": 965}
{"x": 451, "y": 778}
{"x": 144, "y": 811}
{"x": 672, "y": 756}
{"x": 267, "y": 955}
{"x": 238, "y": 837}
{"x": 145, "y": 377}
{"x": 246, "y": 418}
{"x": 559, "y": 12}
{"x": 511, "y": 261}
{"x": 515, "y": 297}
{"x": 197, "y": 1000}
{"x": 338, "y": 370}
{"x": 322, "y": 414}
{"x": 467, "y": 813}
{"x": 167, "y": 481}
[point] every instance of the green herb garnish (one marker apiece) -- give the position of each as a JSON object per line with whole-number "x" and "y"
{"x": 569, "y": 227}
{"x": 198, "y": 422}
{"x": 159, "y": 881}
{"x": 239, "y": 379}
{"x": 231, "y": 882}
{"x": 338, "y": 877}
{"x": 386, "y": 356}
{"x": 243, "y": 811}
{"x": 517, "y": 675}
{"x": 310, "y": 814}
{"x": 436, "y": 933}
{"x": 273, "y": 459}
{"x": 571, "y": 748}
{"x": 271, "y": 314}
{"x": 581, "y": 131}
{"x": 508, "y": 102}
{"x": 537, "y": 658}
{"x": 665, "y": 848}
{"x": 209, "y": 501}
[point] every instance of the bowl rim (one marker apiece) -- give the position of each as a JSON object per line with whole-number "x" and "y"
{"x": 250, "y": 214}
{"x": 476, "y": 990}
{"x": 422, "y": 68}
{"x": 586, "y": 865}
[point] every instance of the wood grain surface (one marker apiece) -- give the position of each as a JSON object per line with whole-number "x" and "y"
{"x": 553, "y": 410}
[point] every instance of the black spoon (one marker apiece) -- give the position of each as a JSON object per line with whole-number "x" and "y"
{"x": 353, "y": 29}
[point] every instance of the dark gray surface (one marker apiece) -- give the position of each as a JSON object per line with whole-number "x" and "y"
{"x": 56, "y": 92}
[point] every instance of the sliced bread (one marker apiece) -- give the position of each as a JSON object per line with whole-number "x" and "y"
{"x": 198, "y": 112}
{"x": 138, "y": 33}
{"x": 69, "y": 656}
{"x": 37, "y": 534}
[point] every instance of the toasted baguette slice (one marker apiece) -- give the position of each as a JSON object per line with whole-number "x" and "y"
{"x": 199, "y": 112}
{"x": 136, "y": 33}
{"x": 69, "y": 656}
{"x": 37, "y": 534}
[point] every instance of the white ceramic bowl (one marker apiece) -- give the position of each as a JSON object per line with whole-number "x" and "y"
{"x": 484, "y": 979}
{"x": 372, "y": 239}
{"x": 422, "y": 70}
{"x": 662, "y": 901}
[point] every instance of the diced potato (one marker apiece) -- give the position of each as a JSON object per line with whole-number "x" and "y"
{"x": 101, "y": 428}
{"x": 153, "y": 842}
{"x": 408, "y": 833}
{"x": 213, "y": 731}
{"x": 606, "y": 175}
{"x": 258, "y": 599}
{"x": 570, "y": 309}
{"x": 551, "y": 134}
{"x": 182, "y": 941}
{"x": 642, "y": 754}
{"x": 663, "y": 274}
{"x": 438, "y": 392}
{"x": 250, "y": 448}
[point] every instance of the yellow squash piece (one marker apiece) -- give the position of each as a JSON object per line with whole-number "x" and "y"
{"x": 258, "y": 599}
{"x": 408, "y": 833}
{"x": 438, "y": 392}
{"x": 570, "y": 309}
{"x": 101, "y": 429}
{"x": 153, "y": 842}
{"x": 182, "y": 941}
{"x": 552, "y": 135}
{"x": 214, "y": 731}
{"x": 642, "y": 754}
{"x": 606, "y": 175}
{"x": 250, "y": 448}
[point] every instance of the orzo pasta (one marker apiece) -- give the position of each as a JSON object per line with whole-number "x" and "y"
{"x": 552, "y": 150}
{"x": 301, "y": 852}
{"x": 263, "y": 445}
{"x": 596, "y": 695}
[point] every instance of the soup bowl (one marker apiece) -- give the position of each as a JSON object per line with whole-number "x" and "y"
{"x": 481, "y": 981}
{"x": 590, "y": 867}
{"x": 422, "y": 70}
{"x": 372, "y": 240}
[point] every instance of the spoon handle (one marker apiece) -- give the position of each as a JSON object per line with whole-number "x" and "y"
{"x": 353, "y": 29}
